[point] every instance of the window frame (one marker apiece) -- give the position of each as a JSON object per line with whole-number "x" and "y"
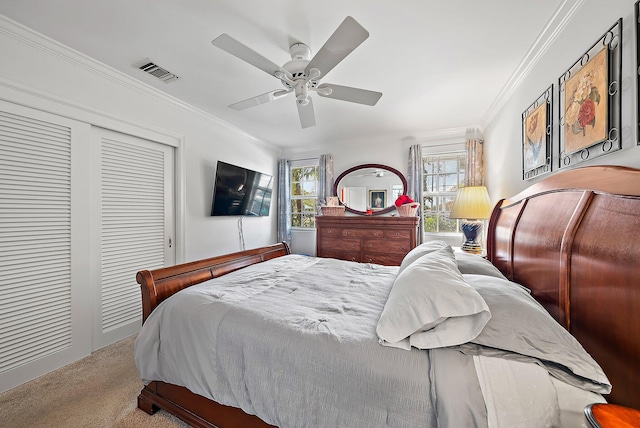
{"x": 309, "y": 163}
{"x": 440, "y": 214}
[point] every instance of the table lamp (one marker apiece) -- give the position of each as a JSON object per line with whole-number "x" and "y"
{"x": 472, "y": 205}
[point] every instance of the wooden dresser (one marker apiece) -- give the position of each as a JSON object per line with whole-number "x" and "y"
{"x": 369, "y": 239}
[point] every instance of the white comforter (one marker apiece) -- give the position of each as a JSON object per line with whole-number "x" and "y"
{"x": 293, "y": 340}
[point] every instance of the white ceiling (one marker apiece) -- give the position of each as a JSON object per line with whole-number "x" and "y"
{"x": 441, "y": 65}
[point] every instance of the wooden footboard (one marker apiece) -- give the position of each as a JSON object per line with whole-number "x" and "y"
{"x": 196, "y": 410}
{"x": 157, "y": 285}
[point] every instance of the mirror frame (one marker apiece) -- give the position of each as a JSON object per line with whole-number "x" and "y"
{"x": 370, "y": 165}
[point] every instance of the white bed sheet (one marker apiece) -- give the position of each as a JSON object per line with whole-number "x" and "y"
{"x": 224, "y": 339}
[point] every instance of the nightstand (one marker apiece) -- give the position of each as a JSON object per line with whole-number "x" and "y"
{"x": 611, "y": 415}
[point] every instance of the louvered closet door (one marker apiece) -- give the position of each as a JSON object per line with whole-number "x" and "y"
{"x": 134, "y": 188}
{"x": 41, "y": 172}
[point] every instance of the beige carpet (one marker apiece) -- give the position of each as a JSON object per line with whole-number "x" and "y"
{"x": 100, "y": 390}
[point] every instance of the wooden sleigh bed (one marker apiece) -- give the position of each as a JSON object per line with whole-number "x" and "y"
{"x": 570, "y": 238}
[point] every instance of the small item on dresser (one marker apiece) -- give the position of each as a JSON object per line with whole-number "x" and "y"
{"x": 406, "y": 206}
{"x": 332, "y": 201}
{"x": 333, "y": 211}
{"x": 332, "y": 207}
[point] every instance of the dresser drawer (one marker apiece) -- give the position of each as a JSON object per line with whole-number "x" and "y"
{"x": 387, "y": 246}
{"x": 398, "y": 234}
{"x": 342, "y": 255}
{"x": 362, "y": 233}
{"x": 383, "y": 259}
{"x": 338, "y": 244}
{"x": 330, "y": 232}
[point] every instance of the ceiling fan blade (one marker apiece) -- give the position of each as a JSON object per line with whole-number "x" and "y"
{"x": 348, "y": 36}
{"x": 347, "y": 93}
{"x": 260, "y": 99}
{"x": 306, "y": 113}
{"x": 237, "y": 49}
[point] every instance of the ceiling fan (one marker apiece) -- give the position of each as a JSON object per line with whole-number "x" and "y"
{"x": 302, "y": 74}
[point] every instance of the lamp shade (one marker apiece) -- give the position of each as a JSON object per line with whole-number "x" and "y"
{"x": 472, "y": 202}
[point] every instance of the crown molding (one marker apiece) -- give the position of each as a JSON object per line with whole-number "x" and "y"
{"x": 561, "y": 17}
{"x": 56, "y": 49}
{"x": 423, "y": 137}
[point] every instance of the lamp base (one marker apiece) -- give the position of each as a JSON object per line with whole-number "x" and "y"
{"x": 471, "y": 230}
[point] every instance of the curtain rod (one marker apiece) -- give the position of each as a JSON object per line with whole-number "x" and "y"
{"x": 441, "y": 145}
{"x": 305, "y": 159}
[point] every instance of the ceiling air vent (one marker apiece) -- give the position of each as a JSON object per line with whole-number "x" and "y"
{"x": 154, "y": 69}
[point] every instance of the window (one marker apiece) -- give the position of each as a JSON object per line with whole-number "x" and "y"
{"x": 304, "y": 196}
{"x": 442, "y": 174}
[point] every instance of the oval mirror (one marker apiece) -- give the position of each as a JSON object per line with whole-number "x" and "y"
{"x": 370, "y": 186}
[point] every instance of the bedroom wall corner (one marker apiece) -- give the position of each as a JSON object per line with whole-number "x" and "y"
{"x": 503, "y": 133}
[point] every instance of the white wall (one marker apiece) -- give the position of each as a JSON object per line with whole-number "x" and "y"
{"x": 42, "y": 74}
{"x": 503, "y": 134}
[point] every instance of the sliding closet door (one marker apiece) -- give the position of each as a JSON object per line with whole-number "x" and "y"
{"x": 134, "y": 223}
{"x": 44, "y": 250}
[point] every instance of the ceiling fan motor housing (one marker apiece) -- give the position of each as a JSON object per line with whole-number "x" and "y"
{"x": 300, "y": 51}
{"x": 300, "y": 82}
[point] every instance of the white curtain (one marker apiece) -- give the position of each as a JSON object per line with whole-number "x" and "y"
{"x": 325, "y": 178}
{"x": 284, "y": 201}
{"x": 475, "y": 158}
{"x": 414, "y": 185}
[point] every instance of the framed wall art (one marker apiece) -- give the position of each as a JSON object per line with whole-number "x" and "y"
{"x": 377, "y": 199}
{"x": 536, "y": 136}
{"x": 590, "y": 102}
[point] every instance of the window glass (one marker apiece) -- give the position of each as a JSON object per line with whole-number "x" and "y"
{"x": 304, "y": 196}
{"x": 443, "y": 173}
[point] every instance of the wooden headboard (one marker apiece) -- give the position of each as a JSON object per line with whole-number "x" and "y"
{"x": 572, "y": 238}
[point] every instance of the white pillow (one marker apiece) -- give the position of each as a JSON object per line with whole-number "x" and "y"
{"x": 419, "y": 251}
{"x": 476, "y": 265}
{"x": 432, "y": 306}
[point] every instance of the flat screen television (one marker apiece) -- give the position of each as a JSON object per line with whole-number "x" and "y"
{"x": 240, "y": 192}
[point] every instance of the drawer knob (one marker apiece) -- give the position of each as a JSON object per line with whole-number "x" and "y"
{"x": 397, "y": 233}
